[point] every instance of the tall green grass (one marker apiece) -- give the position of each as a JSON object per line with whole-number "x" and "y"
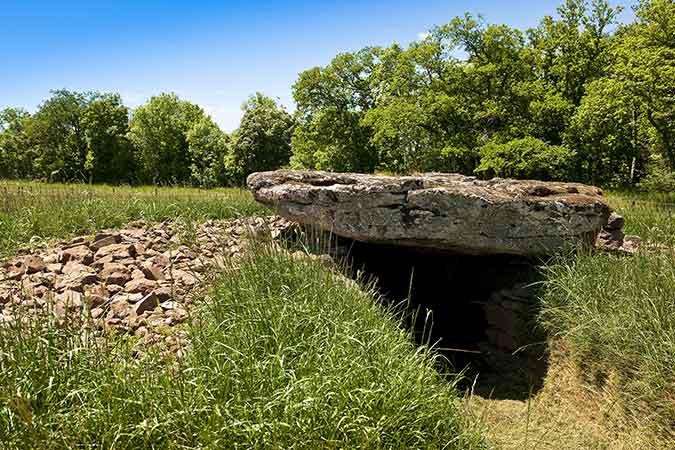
{"x": 617, "y": 313}
{"x": 285, "y": 355}
{"x": 32, "y": 212}
{"x": 649, "y": 215}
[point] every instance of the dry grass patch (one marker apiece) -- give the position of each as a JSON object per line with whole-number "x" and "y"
{"x": 569, "y": 414}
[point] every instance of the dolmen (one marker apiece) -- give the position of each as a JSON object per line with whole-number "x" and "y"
{"x": 445, "y": 212}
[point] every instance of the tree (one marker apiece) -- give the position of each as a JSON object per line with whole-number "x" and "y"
{"x": 434, "y": 110}
{"x": 159, "y": 130}
{"x": 573, "y": 49}
{"x": 208, "y": 147}
{"x": 421, "y": 117}
{"x": 572, "y": 97}
{"x": 333, "y": 140}
{"x": 430, "y": 106}
{"x": 16, "y": 156}
{"x": 72, "y": 136}
{"x": 610, "y": 134}
{"x": 528, "y": 158}
{"x": 331, "y": 102}
{"x": 263, "y": 140}
{"x": 644, "y": 63}
{"x": 109, "y": 157}
{"x": 58, "y": 138}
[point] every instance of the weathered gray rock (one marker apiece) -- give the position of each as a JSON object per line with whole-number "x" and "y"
{"x": 441, "y": 211}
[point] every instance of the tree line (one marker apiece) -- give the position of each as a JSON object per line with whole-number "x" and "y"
{"x": 579, "y": 97}
{"x": 93, "y": 137}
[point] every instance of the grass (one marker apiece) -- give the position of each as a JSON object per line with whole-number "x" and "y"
{"x": 565, "y": 414}
{"x": 615, "y": 315}
{"x": 285, "y": 355}
{"x": 31, "y": 213}
{"x": 611, "y": 323}
{"x": 649, "y": 215}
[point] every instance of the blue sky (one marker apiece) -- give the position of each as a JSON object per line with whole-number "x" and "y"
{"x": 213, "y": 53}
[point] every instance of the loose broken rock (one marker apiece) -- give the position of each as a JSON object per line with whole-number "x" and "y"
{"x": 147, "y": 303}
{"x": 104, "y": 240}
{"x": 34, "y": 264}
{"x": 102, "y": 283}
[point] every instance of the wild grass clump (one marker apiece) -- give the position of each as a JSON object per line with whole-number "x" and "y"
{"x": 284, "y": 354}
{"x": 617, "y": 315}
{"x": 33, "y": 212}
{"x": 650, "y": 215}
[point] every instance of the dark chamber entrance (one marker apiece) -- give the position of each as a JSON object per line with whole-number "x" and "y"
{"x": 476, "y": 310}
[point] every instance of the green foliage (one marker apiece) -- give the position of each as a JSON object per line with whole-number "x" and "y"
{"x": 417, "y": 125}
{"x": 609, "y": 133}
{"x": 645, "y": 65}
{"x": 549, "y": 112}
{"x": 263, "y": 140}
{"x": 439, "y": 104}
{"x": 659, "y": 177}
{"x": 331, "y": 102}
{"x": 159, "y": 131}
{"x": 573, "y": 50}
{"x": 284, "y": 354}
{"x": 58, "y": 137}
{"x": 72, "y": 137}
{"x": 472, "y": 95}
{"x": 207, "y": 146}
{"x": 528, "y": 158}
{"x": 16, "y": 155}
{"x": 109, "y": 157}
{"x": 332, "y": 140}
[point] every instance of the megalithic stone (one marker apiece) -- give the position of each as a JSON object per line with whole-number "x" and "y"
{"x": 448, "y": 212}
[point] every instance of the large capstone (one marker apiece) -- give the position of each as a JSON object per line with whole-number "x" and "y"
{"x": 448, "y": 212}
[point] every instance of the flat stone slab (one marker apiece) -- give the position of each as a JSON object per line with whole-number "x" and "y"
{"x": 448, "y": 212}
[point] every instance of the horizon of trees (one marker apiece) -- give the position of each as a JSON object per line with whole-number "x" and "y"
{"x": 579, "y": 97}
{"x": 93, "y": 137}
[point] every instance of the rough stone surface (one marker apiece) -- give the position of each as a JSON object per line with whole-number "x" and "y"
{"x": 120, "y": 277}
{"x": 441, "y": 211}
{"x": 34, "y": 264}
{"x": 102, "y": 240}
{"x": 79, "y": 252}
{"x": 612, "y": 238}
{"x": 506, "y": 316}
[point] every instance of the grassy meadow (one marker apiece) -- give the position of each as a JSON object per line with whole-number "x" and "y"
{"x": 31, "y": 213}
{"x": 285, "y": 354}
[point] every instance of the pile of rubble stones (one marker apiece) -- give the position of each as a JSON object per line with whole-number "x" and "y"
{"x": 132, "y": 280}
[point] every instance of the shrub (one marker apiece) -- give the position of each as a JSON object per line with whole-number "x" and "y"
{"x": 659, "y": 177}
{"x": 525, "y": 158}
